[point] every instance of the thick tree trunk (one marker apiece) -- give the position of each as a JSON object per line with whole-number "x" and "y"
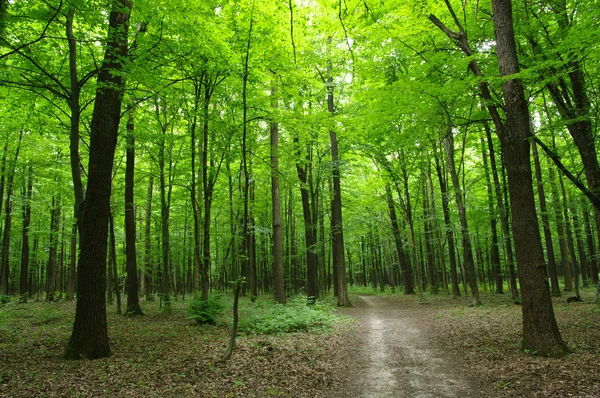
{"x": 540, "y": 331}
{"x": 309, "y": 228}
{"x": 7, "y": 222}
{"x": 133, "y": 302}
{"x": 89, "y": 338}
{"x": 336, "y": 206}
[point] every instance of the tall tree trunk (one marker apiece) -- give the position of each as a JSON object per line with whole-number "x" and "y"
{"x": 112, "y": 260}
{"x": 27, "y": 192}
{"x": 244, "y": 171}
{"x": 466, "y": 239}
{"x": 402, "y": 259}
{"x": 51, "y": 268}
{"x": 7, "y": 222}
{"x": 278, "y": 284}
{"x": 252, "y": 265}
{"x": 495, "y": 252}
{"x": 428, "y": 235}
{"x": 309, "y": 227}
{"x": 194, "y": 190}
{"x": 89, "y": 337}
{"x": 148, "y": 260}
{"x": 72, "y": 263}
{"x": 562, "y": 237}
{"x": 442, "y": 178}
{"x": 569, "y": 236}
{"x": 133, "y": 303}
{"x": 545, "y": 222}
{"x": 590, "y": 245}
{"x": 336, "y": 203}
{"x": 540, "y": 331}
{"x": 75, "y": 108}
{"x": 504, "y": 216}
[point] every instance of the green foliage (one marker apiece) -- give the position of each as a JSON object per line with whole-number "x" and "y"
{"x": 205, "y": 312}
{"x": 295, "y": 316}
{"x": 4, "y": 299}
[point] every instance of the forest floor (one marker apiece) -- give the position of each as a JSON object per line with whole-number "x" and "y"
{"x": 397, "y": 346}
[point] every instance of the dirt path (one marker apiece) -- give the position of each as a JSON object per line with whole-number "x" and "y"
{"x": 400, "y": 356}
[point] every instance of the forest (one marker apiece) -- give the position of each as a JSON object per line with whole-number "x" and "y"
{"x": 295, "y": 173}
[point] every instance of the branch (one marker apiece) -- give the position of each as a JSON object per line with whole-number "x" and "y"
{"x": 42, "y": 35}
{"x": 592, "y": 196}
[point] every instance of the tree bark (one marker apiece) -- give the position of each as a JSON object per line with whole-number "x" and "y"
{"x": 402, "y": 259}
{"x": 545, "y": 223}
{"x": 89, "y": 338}
{"x": 540, "y": 330}
{"x": 442, "y": 178}
{"x": 278, "y": 283}
{"x": 336, "y": 205}
{"x": 466, "y": 239}
{"x": 7, "y": 222}
{"x": 27, "y": 193}
{"x": 133, "y": 302}
{"x": 148, "y": 263}
{"x": 495, "y": 252}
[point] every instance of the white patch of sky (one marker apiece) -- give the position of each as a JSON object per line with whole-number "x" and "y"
{"x": 486, "y": 45}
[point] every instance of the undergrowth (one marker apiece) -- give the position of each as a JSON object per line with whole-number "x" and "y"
{"x": 267, "y": 317}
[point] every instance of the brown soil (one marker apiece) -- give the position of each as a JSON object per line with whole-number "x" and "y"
{"x": 402, "y": 356}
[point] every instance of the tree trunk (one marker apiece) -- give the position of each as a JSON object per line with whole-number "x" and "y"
{"x": 148, "y": 262}
{"x": 133, "y": 303}
{"x": 590, "y": 244}
{"x": 540, "y": 331}
{"x": 72, "y": 263}
{"x": 569, "y": 236}
{"x": 562, "y": 237}
{"x": 278, "y": 284}
{"x": 545, "y": 223}
{"x": 112, "y": 260}
{"x": 402, "y": 259}
{"x": 7, "y": 222}
{"x": 336, "y": 205}
{"x": 442, "y": 178}
{"x": 495, "y": 252}
{"x": 89, "y": 338}
{"x": 27, "y": 192}
{"x": 466, "y": 239}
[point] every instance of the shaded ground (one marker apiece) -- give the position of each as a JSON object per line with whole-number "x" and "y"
{"x": 400, "y": 347}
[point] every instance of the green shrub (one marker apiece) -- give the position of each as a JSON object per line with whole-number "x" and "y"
{"x": 295, "y": 316}
{"x": 4, "y": 299}
{"x": 205, "y": 312}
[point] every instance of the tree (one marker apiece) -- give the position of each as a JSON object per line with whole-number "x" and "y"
{"x": 133, "y": 304}
{"x": 540, "y": 331}
{"x": 89, "y": 338}
{"x": 278, "y": 284}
